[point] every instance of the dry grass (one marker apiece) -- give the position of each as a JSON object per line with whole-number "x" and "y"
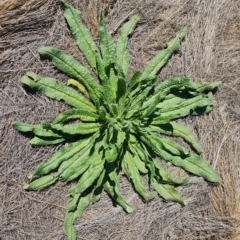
{"x": 211, "y": 51}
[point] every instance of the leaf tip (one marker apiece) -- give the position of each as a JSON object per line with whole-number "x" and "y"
{"x": 30, "y": 176}
{"x": 26, "y": 186}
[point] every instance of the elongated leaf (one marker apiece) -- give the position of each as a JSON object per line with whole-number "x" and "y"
{"x": 178, "y": 130}
{"x": 80, "y": 33}
{"x": 75, "y": 210}
{"x": 141, "y": 86}
{"x": 168, "y": 192}
{"x": 88, "y": 177}
{"x": 123, "y": 56}
{"x": 79, "y": 128}
{"x": 140, "y": 93}
{"x": 172, "y": 147}
{"x": 72, "y": 204}
{"x": 193, "y": 163}
{"x": 207, "y": 86}
{"x": 56, "y": 90}
{"x": 108, "y": 55}
{"x": 68, "y": 163}
{"x": 164, "y": 88}
{"x": 151, "y": 109}
{"x": 186, "y": 108}
{"x": 24, "y": 127}
{"x": 60, "y": 156}
{"x": 42, "y": 141}
{"x": 99, "y": 186}
{"x": 80, "y": 87}
{"x": 198, "y": 166}
{"x": 106, "y": 44}
{"x": 156, "y": 170}
{"x": 121, "y": 94}
{"x": 83, "y": 203}
{"x": 114, "y": 177}
{"x": 39, "y": 130}
{"x": 77, "y": 164}
{"x": 41, "y": 183}
{"x": 83, "y": 162}
{"x": 117, "y": 197}
{"x": 83, "y": 115}
{"x": 162, "y": 57}
{"x": 204, "y": 100}
{"x": 133, "y": 173}
{"x": 68, "y": 225}
{"x": 73, "y": 69}
{"x": 171, "y": 100}
{"x": 163, "y": 175}
{"x": 137, "y": 159}
{"x": 134, "y": 80}
{"x": 113, "y": 82}
{"x": 205, "y": 109}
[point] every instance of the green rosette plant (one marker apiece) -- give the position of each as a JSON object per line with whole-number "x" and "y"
{"x": 121, "y": 126}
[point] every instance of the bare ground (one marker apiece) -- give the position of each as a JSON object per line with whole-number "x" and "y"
{"x": 211, "y": 51}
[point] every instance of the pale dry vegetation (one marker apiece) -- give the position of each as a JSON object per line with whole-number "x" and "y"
{"x": 211, "y": 51}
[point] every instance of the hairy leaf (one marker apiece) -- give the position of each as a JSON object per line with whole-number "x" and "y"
{"x": 73, "y": 69}
{"x": 80, "y": 33}
{"x": 56, "y": 90}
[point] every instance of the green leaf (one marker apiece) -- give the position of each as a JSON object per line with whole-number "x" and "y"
{"x": 41, "y": 183}
{"x": 137, "y": 159}
{"x": 205, "y": 109}
{"x": 112, "y": 173}
{"x": 75, "y": 129}
{"x": 164, "y": 88}
{"x": 39, "y": 130}
{"x": 162, "y": 57}
{"x": 193, "y": 163}
{"x": 88, "y": 178}
{"x": 81, "y": 34}
{"x": 75, "y": 210}
{"x": 141, "y": 93}
{"x": 65, "y": 165}
{"x": 207, "y": 86}
{"x": 73, "y": 202}
{"x": 121, "y": 95}
{"x": 198, "y": 166}
{"x": 99, "y": 186}
{"x": 133, "y": 173}
{"x": 60, "y": 156}
{"x": 56, "y": 90}
{"x": 168, "y": 192}
{"x": 73, "y": 69}
{"x": 123, "y": 56}
{"x": 84, "y": 160}
{"x": 41, "y": 141}
{"x": 68, "y": 225}
{"x": 165, "y": 176}
{"x": 24, "y": 127}
{"x": 178, "y": 130}
{"x": 106, "y": 44}
{"x": 83, "y": 203}
{"x": 83, "y": 115}
{"x": 182, "y": 110}
{"x": 109, "y": 188}
{"x": 172, "y": 147}
{"x": 134, "y": 80}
